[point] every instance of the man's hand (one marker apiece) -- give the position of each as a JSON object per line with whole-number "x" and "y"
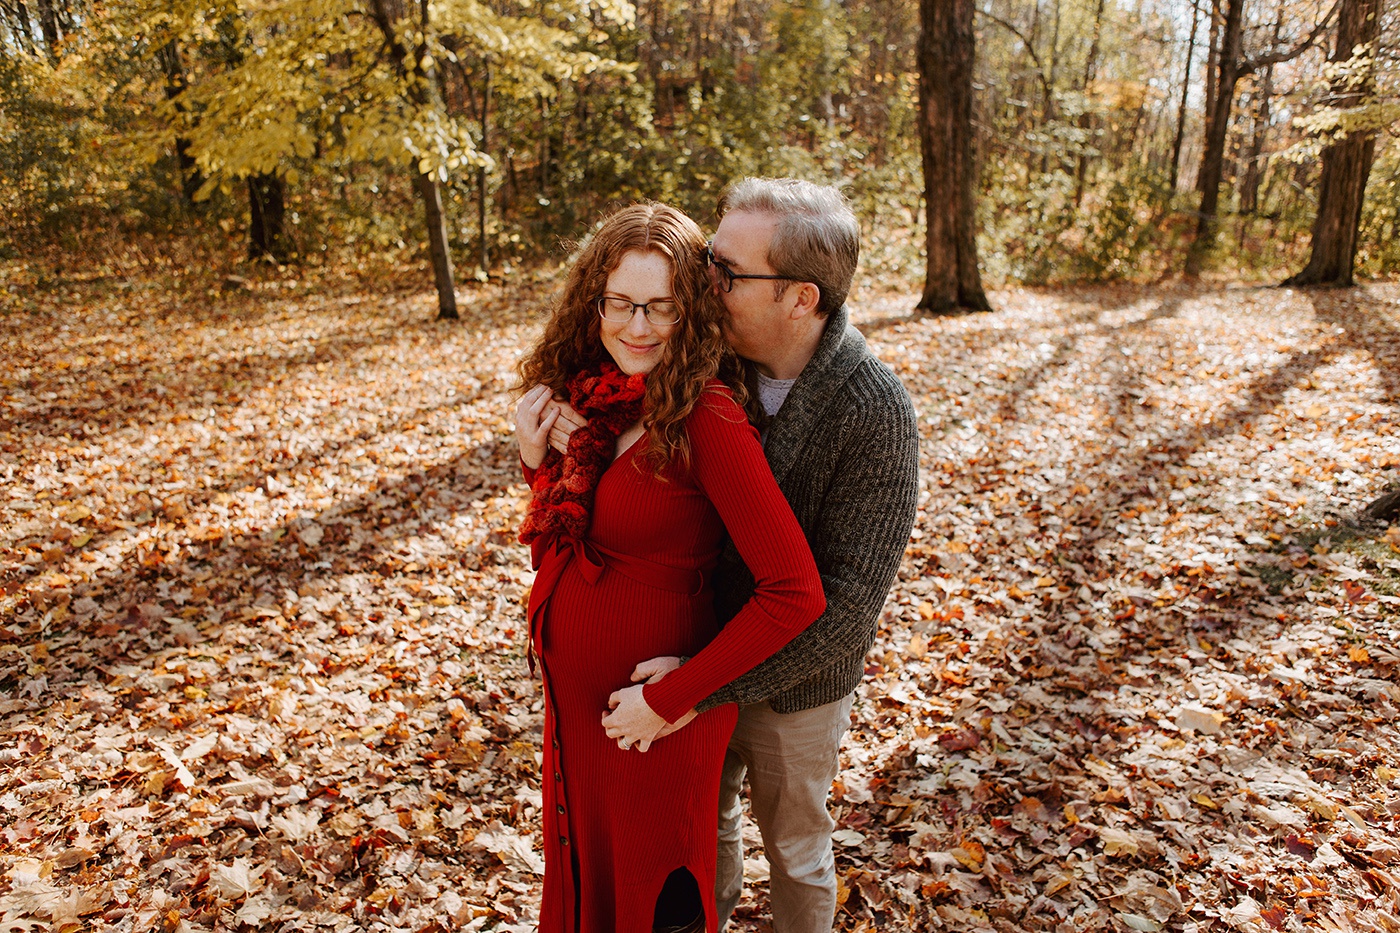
{"x": 631, "y": 721}
{"x": 655, "y": 669}
{"x": 568, "y": 422}
{"x": 535, "y": 417}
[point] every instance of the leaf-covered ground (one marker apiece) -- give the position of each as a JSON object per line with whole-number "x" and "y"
{"x": 261, "y": 658}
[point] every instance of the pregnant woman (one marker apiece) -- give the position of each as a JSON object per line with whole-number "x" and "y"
{"x": 624, "y": 531}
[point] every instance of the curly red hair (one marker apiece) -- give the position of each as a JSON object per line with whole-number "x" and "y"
{"x": 696, "y": 352}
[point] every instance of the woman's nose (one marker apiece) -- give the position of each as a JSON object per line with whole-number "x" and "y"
{"x": 639, "y": 325}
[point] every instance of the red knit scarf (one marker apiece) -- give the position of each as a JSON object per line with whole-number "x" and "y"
{"x": 565, "y": 484}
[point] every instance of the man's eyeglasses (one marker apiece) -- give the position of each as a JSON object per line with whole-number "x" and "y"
{"x": 727, "y": 276}
{"x": 662, "y": 313}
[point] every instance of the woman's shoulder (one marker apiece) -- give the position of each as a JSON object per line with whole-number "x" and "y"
{"x": 717, "y": 412}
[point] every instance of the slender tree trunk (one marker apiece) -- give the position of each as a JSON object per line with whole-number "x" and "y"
{"x": 1050, "y": 94}
{"x": 1185, "y": 91}
{"x": 1086, "y": 120}
{"x": 484, "y": 257}
{"x": 266, "y": 208}
{"x": 1213, "y": 158}
{"x": 1212, "y": 73}
{"x": 20, "y": 25}
{"x": 425, "y": 93}
{"x": 946, "y": 58}
{"x": 430, "y": 193}
{"x": 1254, "y": 154}
{"x": 1346, "y": 165}
{"x": 175, "y": 84}
{"x": 48, "y": 24}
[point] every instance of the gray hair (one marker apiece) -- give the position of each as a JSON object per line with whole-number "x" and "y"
{"x": 817, "y": 239}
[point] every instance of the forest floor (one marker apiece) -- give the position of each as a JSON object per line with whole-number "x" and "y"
{"x": 260, "y": 626}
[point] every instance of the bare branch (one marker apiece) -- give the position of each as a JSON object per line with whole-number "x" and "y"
{"x": 1250, "y": 65}
{"x": 1030, "y": 49}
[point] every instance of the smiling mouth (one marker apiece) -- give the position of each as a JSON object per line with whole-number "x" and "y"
{"x": 640, "y": 348}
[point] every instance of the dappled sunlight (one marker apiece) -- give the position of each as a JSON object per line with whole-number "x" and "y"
{"x": 263, "y": 600}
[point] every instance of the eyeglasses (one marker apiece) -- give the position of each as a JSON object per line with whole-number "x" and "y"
{"x": 662, "y": 313}
{"x": 727, "y": 276}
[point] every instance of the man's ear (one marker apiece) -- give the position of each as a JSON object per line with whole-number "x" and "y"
{"x": 808, "y": 298}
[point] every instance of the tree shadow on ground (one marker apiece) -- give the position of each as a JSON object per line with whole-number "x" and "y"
{"x": 1083, "y": 677}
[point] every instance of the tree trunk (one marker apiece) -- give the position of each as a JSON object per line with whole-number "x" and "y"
{"x": 424, "y": 92}
{"x": 266, "y": 207}
{"x": 484, "y": 257}
{"x": 19, "y": 26}
{"x": 945, "y": 57}
{"x": 1346, "y": 165}
{"x": 175, "y": 84}
{"x": 1212, "y": 72}
{"x": 1254, "y": 154}
{"x": 1185, "y": 91}
{"x": 1213, "y": 158}
{"x": 1253, "y": 167}
{"x": 431, "y": 195}
{"x": 1050, "y": 85}
{"x": 1086, "y": 120}
{"x": 48, "y": 24}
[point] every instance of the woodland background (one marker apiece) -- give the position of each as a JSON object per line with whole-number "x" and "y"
{"x": 261, "y": 663}
{"x": 318, "y": 130}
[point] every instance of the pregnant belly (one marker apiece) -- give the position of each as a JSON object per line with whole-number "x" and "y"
{"x": 594, "y": 634}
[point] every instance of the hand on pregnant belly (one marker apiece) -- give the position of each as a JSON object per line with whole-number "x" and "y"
{"x": 632, "y": 721}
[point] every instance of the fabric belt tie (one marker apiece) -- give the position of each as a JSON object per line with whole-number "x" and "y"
{"x": 592, "y": 560}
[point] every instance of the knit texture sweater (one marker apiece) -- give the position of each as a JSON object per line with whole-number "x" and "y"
{"x": 844, "y": 449}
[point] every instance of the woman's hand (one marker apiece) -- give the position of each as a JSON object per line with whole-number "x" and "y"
{"x": 569, "y": 422}
{"x": 631, "y": 721}
{"x": 534, "y": 418}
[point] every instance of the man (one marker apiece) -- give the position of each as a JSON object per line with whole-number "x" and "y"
{"x": 843, "y": 443}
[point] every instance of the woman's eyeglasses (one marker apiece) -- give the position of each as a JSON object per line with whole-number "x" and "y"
{"x": 726, "y": 276}
{"x": 662, "y": 313}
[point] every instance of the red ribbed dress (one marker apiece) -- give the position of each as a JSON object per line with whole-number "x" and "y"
{"x": 617, "y": 823}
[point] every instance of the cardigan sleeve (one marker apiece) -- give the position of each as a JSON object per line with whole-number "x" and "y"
{"x": 728, "y": 466}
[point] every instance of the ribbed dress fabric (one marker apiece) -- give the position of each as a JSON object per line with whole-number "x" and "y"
{"x": 617, "y": 823}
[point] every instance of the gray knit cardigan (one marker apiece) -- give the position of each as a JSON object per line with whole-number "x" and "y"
{"x": 845, "y": 451}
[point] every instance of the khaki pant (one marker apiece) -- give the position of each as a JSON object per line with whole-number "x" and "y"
{"x": 790, "y": 760}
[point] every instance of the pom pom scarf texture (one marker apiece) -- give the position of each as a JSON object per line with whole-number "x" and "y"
{"x": 565, "y": 484}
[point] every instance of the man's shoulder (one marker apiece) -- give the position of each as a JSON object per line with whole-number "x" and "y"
{"x": 871, "y": 388}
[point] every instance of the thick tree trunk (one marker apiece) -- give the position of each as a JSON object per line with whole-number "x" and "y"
{"x": 431, "y": 195}
{"x": 945, "y": 57}
{"x": 1346, "y": 165}
{"x": 266, "y": 208}
{"x": 1213, "y": 158}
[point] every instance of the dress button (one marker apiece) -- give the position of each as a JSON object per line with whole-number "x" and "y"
{"x": 561, "y": 809}
{"x": 557, "y": 777}
{"x": 563, "y": 840}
